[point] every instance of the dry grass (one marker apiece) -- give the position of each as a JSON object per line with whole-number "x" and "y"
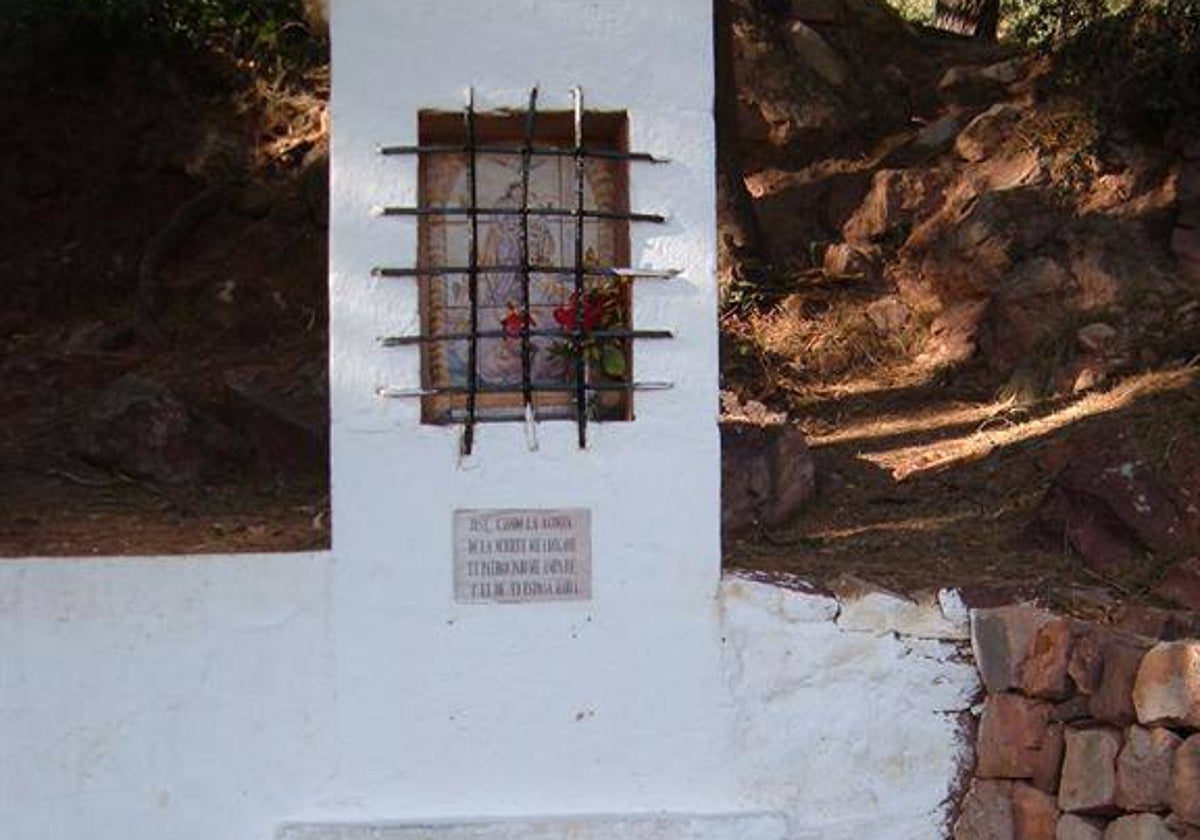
{"x": 1000, "y": 427}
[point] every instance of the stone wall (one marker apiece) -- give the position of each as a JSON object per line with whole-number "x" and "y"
{"x": 1086, "y": 731}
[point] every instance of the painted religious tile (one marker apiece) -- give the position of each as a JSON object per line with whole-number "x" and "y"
{"x": 445, "y": 241}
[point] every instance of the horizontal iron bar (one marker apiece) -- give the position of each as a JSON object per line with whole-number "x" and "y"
{"x": 540, "y": 151}
{"x": 618, "y": 273}
{"x": 647, "y": 273}
{"x": 517, "y": 211}
{"x": 537, "y": 388}
{"x": 406, "y": 340}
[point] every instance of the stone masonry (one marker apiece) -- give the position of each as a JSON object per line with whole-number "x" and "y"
{"x": 1087, "y": 732}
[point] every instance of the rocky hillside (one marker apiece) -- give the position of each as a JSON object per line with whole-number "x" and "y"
{"x": 978, "y": 297}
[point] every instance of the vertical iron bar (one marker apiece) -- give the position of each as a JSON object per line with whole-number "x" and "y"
{"x": 580, "y": 180}
{"x": 526, "y": 315}
{"x": 468, "y": 439}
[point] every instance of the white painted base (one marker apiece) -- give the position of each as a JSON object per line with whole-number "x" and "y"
{"x": 659, "y": 827}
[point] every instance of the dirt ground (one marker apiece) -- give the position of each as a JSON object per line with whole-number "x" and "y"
{"x": 928, "y": 486}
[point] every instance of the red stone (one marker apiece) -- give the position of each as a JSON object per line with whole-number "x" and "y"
{"x": 1112, "y": 701}
{"x": 1047, "y": 770}
{"x": 1181, "y": 585}
{"x": 1001, "y": 639}
{"x": 1044, "y": 672}
{"x": 1144, "y": 768}
{"x": 1012, "y": 734}
{"x": 1139, "y": 827}
{"x": 1167, "y": 689}
{"x": 1075, "y": 827}
{"x": 1035, "y": 814}
{"x": 1086, "y": 663}
{"x": 987, "y": 812}
{"x": 1182, "y": 830}
{"x": 1089, "y": 777}
{"x": 1184, "y": 794}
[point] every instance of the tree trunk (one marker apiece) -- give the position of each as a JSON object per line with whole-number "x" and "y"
{"x": 978, "y": 19}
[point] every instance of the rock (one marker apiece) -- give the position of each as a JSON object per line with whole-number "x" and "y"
{"x": 1112, "y": 701}
{"x": 1086, "y": 663}
{"x": 1091, "y": 374}
{"x": 1026, "y": 312}
{"x": 1099, "y": 273}
{"x": 953, "y": 335}
{"x": 966, "y": 249}
{"x": 1111, "y": 506}
{"x": 1138, "y": 827}
{"x": 1035, "y": 814}
{"x": 1181, "y": 585}
{"x": 1095, "y": 337}
{"x": 1144, "y": 768}
{"x": 1003, "y": 172}
{"x": 896, "y": 198}
{"x": 811, "y": 49}
{"x": 1167, "y": 689}
{"x": 1047, "y": 771}
{"x": 939, "y": 134}
{"x": 888, "y": 314}
{"x": 1044, "y": 672}
{"x": 1012, "y": 735}
{"x": 985, "y": 134}
{"x": 1157, "y": 623}
{"x": 1089, "y": 776}
{"x": 767, "y": 475}
{"x": 1182, "y": 830}
{"x": 1006, "y": 72}
{"x": 1000, "y": 641}
{"x": 844, "y": 260}
{"x": 1075, "y": 827}
{"x": 866, "y": 608}
{"x": 1184, "y": 793}
{"x": 967, "y": 84}
{"x": 138, "y": 426}
{"x": 987, "y": 812}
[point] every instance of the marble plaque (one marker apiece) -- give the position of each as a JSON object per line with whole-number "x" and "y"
{"x": 514, "y": 556}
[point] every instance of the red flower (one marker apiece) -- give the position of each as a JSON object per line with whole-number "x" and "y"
{"x": 593, "y": 312}
{"x": 514, "y": 322}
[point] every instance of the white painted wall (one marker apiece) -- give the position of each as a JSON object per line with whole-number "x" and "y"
{"x": 214, "y": 698}
{"x": 198, "y": 698}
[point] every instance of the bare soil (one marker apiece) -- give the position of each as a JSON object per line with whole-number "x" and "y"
{"x": 92, "y": 171}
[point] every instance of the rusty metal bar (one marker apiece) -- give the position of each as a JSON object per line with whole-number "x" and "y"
{"x": 611, "y": 272}
{"x": 526, "y": 315}
{"x": 516, "y": 388}
{"x": 536, "y": 151}
{"x": 577, "y": 341}
{"x": 409, "y": 340}
{"x": 557, "y": 212}
{"x": 468, "y": 438}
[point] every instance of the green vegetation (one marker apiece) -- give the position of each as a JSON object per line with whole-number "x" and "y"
{"x": 1140, "y": 67}
{"x": 265, "y": 35}
{"x": 1137, "y": 62}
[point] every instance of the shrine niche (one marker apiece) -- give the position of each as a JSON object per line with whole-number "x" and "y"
{"x": 523, "y": 254}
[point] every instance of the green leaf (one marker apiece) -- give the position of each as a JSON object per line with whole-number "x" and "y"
{"x": 612, "y": 361}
